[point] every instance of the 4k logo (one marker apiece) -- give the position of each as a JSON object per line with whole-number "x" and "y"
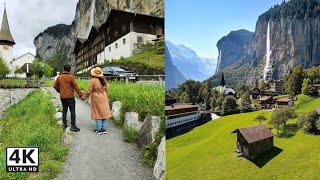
{"x": 22, "y": 159}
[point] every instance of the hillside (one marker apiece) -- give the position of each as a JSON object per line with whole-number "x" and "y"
{"x": 150, "y": 62}
{"x": 211, "y": 149}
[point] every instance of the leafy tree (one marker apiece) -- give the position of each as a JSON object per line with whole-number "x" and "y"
{"x": 245, "y": 103}
{"x": 184, "y": 98}
{"x": 280, "y": 116}
{"x": 4, "y": 68}
{"x": 18, "y": 70}
{"x": 229, "y": 105}
{"x": 260, "y": 118}
{"x": 48, "y": 70}
{"x": 37, "y": 68}
{"x": 309, "y": 122}
{"x": 220, "y": 100}
{"x": 294, "y": 83}
{"x": 307, "y": 87}
{"x": 57, "y": 62}
{"x": 262, "y": 85}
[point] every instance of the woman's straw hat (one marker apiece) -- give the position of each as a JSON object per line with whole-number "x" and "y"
{"x": 96, "y": 72}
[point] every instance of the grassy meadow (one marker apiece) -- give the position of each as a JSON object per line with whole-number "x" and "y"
{"x": 208, "y": 151}
{"x": 31, "y": 122}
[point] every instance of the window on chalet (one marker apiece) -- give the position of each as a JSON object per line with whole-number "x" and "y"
{"x": 115, "y": 19}
{"x": 109, "y": 38}
{"x": 124, "y": 40}
{"x": 101, "y": 45}
{"x": 124, "y": 28}
{"x": 116, "y": 45}
{"x": 116, "y": 33}
{"x": 140, "y": 39}
{"x": 108, "y": 30}
{"x": 109, "y": 49}
{"x": 153, "y": 25}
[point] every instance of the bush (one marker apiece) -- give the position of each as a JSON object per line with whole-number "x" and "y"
{"x": 229, "y": 105}
{"x": 309, "y": 122}
{"x": 130, "y": 135}
{"x": 4, "y": 68}
{"x": 150, "y": 153}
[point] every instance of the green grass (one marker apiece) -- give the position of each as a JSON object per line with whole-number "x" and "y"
{"x": 208, "y": 152}
{"x": 281, "y": 96}
{"x": 130, "y": 134}
{"x": 303, "y": 98}
{"x": 308, "y": 105}
{"x": 31, "y": 122}
{"x": 150, "y": 59}
{"x": 13, "y": 82}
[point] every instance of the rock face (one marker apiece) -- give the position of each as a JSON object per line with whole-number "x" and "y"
{"x": 280, "y": 42}
{"x": 131, "y": 119}
{"x": 61, "y": 38}
{"x": 159, "y": 170}
{"x": 231, "y": 47}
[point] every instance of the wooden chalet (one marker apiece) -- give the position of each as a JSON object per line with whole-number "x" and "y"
{"x": 118, "y": 24}
{"x": 285, "y": 101}
{"x": 255, "y": 93}
{"x": 266, "y": 102}
{"x": 254, "y": 141}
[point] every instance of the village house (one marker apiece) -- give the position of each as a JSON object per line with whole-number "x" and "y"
{"x": 254, "y": 141}
{"x": 255, "y": 93}
{"x": 277, "y": 86}
{"x": 266, "y": 102}
{"x": 285, "y": 101}
{"x": 117, "y": 38}
{"x": 317, "y": 87}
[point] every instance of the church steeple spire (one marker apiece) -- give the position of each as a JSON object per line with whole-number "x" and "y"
{"x": 5, "y": 34}
{"x": 222, "y": 82}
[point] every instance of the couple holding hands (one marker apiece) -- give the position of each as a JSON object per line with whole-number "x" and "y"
{"x": 97, "y": 88}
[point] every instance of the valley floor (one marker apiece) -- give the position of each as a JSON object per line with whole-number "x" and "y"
{"x": 208, "y": 152}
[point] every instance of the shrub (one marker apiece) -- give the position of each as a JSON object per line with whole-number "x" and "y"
{"x": 130, "y": 134}
{"x": 150, "y": 153}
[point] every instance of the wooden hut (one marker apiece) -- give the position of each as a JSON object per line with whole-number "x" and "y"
{"x": 254, "y": 141}
{"x": 266, "y": 102}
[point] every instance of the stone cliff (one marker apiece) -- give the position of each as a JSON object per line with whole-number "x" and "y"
{"x": 88, "y": 13}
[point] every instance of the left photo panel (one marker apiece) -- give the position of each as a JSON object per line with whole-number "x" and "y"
{"x": 82, "y": 89}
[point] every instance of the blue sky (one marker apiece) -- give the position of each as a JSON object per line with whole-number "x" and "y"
{"x": 199, "y": 24}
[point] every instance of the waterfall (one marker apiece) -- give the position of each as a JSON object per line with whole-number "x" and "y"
{"x": 219, "y": 59}
{"x": 91, "y": 20}
{"x": 267, "y": 65}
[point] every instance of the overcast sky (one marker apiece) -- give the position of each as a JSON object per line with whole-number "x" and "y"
{"x": 28, "y": 18}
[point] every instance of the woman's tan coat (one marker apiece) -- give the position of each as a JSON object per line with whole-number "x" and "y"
{"x": 100, "y": 108}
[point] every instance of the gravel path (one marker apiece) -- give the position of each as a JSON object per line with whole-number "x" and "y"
{"x": 104, "y": 156}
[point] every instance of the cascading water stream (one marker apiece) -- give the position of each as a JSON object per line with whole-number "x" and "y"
{"x": 91, "y": 20}
{"x": 267, "y": 65}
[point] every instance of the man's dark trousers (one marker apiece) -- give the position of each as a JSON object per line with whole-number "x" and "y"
{"x": 71, "y": 103}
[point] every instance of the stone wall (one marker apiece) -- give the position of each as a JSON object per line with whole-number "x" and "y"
{"x": 11, "y": 96}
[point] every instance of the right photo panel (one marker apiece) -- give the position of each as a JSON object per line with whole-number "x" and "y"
{"x": 242, "y": 89}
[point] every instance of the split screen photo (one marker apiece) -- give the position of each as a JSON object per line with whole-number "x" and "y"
{"x": 160, "y": 89}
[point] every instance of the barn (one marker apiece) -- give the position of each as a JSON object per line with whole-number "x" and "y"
{"x": 254, "y": 141}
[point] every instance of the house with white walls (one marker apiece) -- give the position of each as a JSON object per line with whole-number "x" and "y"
{"x": 117, "y": 38}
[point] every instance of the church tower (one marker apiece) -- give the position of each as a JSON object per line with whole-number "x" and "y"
{"x": 6, "y": 40}
{"x": 222, "y": 84}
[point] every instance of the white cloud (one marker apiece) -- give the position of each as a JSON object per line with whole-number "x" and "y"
{"x": 28, "y": 18}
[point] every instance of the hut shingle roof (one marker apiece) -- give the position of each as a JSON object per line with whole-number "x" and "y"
{"x": 255, "y": 133}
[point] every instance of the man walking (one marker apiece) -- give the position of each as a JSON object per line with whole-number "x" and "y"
{"x": 65, "y": 85}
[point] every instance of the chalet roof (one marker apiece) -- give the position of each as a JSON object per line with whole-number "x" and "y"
{"x": 284, "y": 99}
{"x": 5, "y": 35}
{"x": 316, "y": 85}
{"x": 265, "y": 98}
{"x": 255, "y": 133}
{"x": 180, "y": 106}
{"x": 22, "y": 56}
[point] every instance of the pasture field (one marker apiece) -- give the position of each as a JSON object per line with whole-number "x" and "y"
{"x": 208, "y": 151}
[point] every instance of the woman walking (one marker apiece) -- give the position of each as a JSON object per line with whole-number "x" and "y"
{"x": 100, "y": 110}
